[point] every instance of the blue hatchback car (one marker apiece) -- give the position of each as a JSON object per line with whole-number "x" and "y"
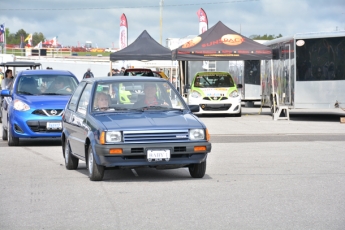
{"x": 130, "y": 122}
{"x": 34, "y": 105}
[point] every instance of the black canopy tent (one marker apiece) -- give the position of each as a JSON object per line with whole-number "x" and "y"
{"x": 143, "y": 48}
{"x": 220, "y": 43}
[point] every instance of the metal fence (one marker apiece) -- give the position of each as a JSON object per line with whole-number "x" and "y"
{"x": 47, "y": 52}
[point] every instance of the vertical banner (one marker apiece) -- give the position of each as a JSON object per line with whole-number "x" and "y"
{"x": 2, "y": 33}
{"x": 123, "y": 39}
{"x": 203, "y": 22}
{"x": 203, "y": 26}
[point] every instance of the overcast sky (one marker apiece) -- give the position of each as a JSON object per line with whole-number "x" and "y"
{"x": 98, "y": 21}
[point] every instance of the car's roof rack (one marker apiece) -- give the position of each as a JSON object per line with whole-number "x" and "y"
{"x": 20, "y": 64}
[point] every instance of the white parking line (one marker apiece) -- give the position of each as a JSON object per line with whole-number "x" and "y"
{"x": 134, "y": 172}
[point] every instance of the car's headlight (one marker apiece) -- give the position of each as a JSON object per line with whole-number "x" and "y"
{"x": 110, "y": 137}
{"x": 195, "y": 94}
{"x": 20, "y": 106}
{"x": 197, "y": 134}
{"x": 234, "y": 93}
{"x": 113, "y": 136}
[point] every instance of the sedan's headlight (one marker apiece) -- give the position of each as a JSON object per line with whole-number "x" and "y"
{"x": 110, "y": 137}
{"x": 195, "y": 94}
{"x": 234, "y": 93}
{"x": 113, "y": 136}
{"x": 20, "y": 106}
{"x": 197, "y": 134}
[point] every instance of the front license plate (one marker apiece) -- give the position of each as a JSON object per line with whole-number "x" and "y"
{"x": 54, "y": 125}
{"x": 158, "y": 154}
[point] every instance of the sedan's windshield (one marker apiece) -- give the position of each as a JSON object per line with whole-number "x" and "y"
{"x": 139, "y": 95}
{"x": 46, "y": 85}
{"x": 213, "y": 81}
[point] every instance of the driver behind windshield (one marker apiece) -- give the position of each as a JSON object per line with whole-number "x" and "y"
{"x": 150, "y": 99}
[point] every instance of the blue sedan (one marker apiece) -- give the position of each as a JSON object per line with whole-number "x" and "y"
{"x": 130, "y": 122}
{"x": 33, "y": 106}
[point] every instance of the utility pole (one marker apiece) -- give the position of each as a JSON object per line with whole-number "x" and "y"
{"x": 161, "y": 19}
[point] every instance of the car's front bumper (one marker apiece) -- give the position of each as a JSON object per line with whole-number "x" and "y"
{"x": 135, "y": 155}
{"x": 27, "y": 125}
{"x": 228, "y": 106}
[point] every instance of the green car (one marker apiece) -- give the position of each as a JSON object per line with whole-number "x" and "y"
{"x": 215, "y": 93}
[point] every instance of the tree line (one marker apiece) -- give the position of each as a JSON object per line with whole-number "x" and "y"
{"x": 15, "y": 38}
{"x": 264, "y": 37}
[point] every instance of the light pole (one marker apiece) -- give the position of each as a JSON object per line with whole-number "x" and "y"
{"x": 161, "y": 19}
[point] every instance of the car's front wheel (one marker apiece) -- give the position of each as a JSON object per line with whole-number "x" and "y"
{"x": 4, "y": 134}
{"x": 198, "y": 170}
{"x": 71, "y": 162}
{"x": 239, "y": 114}
{"x": 96, "y": 172}
{"x": 11, "y": 140}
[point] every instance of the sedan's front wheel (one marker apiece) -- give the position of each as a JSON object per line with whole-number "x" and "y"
{"x": 11, "y": 141}
{"x": 4, "y": 134}
{"x": 71, "y": 162}
{"x": 198, "y": 170}
{"x": 96, "y": 172}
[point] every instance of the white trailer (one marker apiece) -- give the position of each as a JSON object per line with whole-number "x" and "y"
{"x": 307, "y": 72}
{"x": 247, "y": 73}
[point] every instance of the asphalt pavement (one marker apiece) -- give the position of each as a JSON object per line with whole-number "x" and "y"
{"x": 261, "y": 174}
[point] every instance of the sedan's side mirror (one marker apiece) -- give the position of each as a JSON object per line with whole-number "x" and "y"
{"x": 239, "y": 86}
{"x": 187, "y": 88}
{"x": 194, "y": 108}
{"x": 5, "y": 93}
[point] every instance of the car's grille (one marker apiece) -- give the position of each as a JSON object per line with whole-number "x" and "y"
{"x": 48, "y": 112}
{"x": 215, "y": 107}
{"x": 41, "y": 126}
{"x": 180, "y": 149}
{"x": 214, "y": 98}
{"x": 177, "y": 149}
{"x": 155, "y": 136}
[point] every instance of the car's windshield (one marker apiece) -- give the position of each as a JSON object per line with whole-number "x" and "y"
{"x": 213, "y": 81}
{"x": 46, "y": 85}
{"x": 136, "y": 95}
{"x": 138, "y": 72}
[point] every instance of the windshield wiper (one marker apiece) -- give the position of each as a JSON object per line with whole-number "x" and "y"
{"x": 24, "y": 92}
{"x": 155, "y": 107}
{"x": 50, "y": 94}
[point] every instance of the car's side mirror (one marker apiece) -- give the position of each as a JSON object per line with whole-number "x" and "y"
{"x": 5, "y": 93}
{"x": 239, "y": 86}
{"x": 187, "y": 88}
{"x": 194, "y": 108}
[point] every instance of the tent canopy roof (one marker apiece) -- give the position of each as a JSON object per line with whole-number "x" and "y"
{"x": 220, "y": 43}
{"x": 143, "y": 48}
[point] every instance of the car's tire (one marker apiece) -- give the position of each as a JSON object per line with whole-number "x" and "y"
{"x": 197, "y": 170}
{"x": 11, "y": 140}
{"x": 4, "y": 134}
{"x": 96, "y": 172}
{"x": 71, "y": 162}
{"x": 239, "y": 114}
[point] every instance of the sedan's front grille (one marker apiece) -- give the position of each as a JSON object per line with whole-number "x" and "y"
{"x": 41, "y": 127}
{"x": 215, "y": 107}
{"x": 214, "y": 98}
{"x": 155, "y": 136}
{"x": 48, "y": 112}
